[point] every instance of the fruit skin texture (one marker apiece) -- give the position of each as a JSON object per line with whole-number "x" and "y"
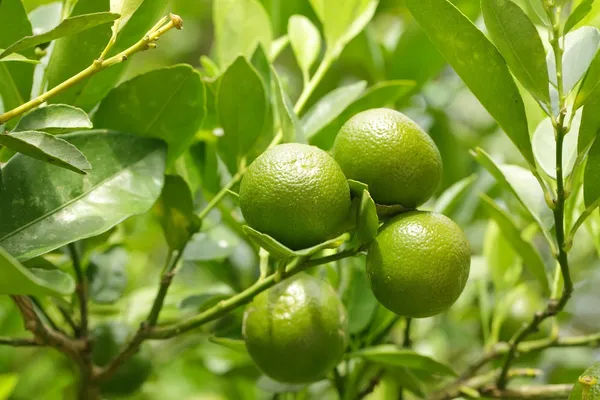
{"x": 418, "y": 264}
{"x": 296, "y": 331}
{"x": 391, "y": 154}
{"x": 109, "y": 339}
{"x": 587, "y": 386}
{"x": 297, "y": 194}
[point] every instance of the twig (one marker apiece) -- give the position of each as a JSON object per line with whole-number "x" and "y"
{"x": 68, "y": 319}
{"x": 541, "y": 392}
{"x": 42, "y": 311}
{"x": 81, "y": 291}
{"x": 407, "y": 342}
{"x": 147, "y": 42}
{"x": 19, "y": 342}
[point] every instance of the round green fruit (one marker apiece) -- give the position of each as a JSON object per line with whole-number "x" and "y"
{"x": 108, "y": 340}
{"x": 297, "y": 194}
{"x": 418, "y": 264}
{"x": 390, "y": 153}
{"x": 296, "y": 331}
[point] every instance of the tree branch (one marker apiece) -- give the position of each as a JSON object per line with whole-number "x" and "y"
{"x": 19, "y": 342}
{"x": 541, "y": 392}
{"x": 81, "y": 290}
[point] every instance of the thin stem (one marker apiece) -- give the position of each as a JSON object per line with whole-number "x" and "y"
{"x": 584, "y": 215}
{"x": 68, "y": 319}
{"x": 407, "y": 342}
{"x": 145, "y": 43}
{"x": 165, "y": 283}
{"x": 219, "y": 196}
{"x": 19, "y": 342}
{"x": 81, "y": 290}
{"x": 313, "y": 83}
{"x": 264, "y": 263}
{"x": 46, "y": 317}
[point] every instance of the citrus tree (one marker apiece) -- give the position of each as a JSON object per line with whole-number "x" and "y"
{"x": 341, "y": 199}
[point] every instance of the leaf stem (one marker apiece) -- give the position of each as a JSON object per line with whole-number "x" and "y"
{"x": 312, "y": 84}
{"x": 584, "y": 215}
{"x": 147, "y": 42}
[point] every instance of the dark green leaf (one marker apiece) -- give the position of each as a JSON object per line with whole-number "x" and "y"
{"x": 478, "y": 63}
{"x": 591, "y": 179}
{"x": 501, "y": 259}
{"x": 328, "y": 108}
{"x": 580, "y": 47}
{"x": 175, "y": 210}
{"x": 531, "y": 257}
{"x": 392, "y": 355}
{"x": 519, "y": 43}
{"x": 242, "y": 107}
{"x": 590, "y": 87}
{"x": 18, "y": 58}
{"x": 16, "y": 79}
{"x": 167, "y": 103}
{"x": 305, "y": 40}
{"x": 452, "y": 196}
{"x": 216, "y": 244}
{"x": 280, "y": 251}
{"x": 544, "y": 146}
{"x": 68, "y": 27}
{"x": 18, "y": 280}
{"x": 378, "y": 95}
{"x": 126, "y": 179}
{"x": 107, "y": 276}
{"x": 48, "y": 148}
{"x": 56, "y": 118}
{"x": 577, "y": 15}
{"x": 240, "y": 26}
{"x": 289, "y": 123}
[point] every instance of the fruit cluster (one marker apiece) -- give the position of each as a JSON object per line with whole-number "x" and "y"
{"x": 417, "y": 266}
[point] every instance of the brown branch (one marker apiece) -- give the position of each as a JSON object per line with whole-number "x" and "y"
{"x": 19, "y": 342}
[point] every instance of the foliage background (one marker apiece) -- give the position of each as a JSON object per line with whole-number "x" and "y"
{"x": 192, "y": 367}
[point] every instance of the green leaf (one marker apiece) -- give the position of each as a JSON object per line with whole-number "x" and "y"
{"x": 544, "y": 146}
{"x": 233, "y": 344}
{"x": 68, "y": 27}
{"x": 538, "y": 7}
{"x": 523, "y": 185}
{"x": 125, "y": 180}
{"x": 587, "y": 386}
{"x": 202, "y": 302}
{"x": 242, "y": 107}
{"x": 216, "y": 244}
{"x": 278, "y": 46}
{"x": 389, "y": 354}
{"x": 124, "y": 8}
{"x": 16, "y": 79}
{"x": 269, "y": 385}
{"x": 48, "y": 148}
{"x": 580, "y": 47}
{"x": 360, "y": 302}
{"x": 502, "y": 309}
{"x": 15, "y": 279}
{"x": 501, "y": 259}
{"x": 590, "y": 87}
{"x": 8, "y": 383}
{"x": 280, "y": 251}
{"x": 56, "y": 118}
{"x": 240, "y": 26}
{"x": 478, "y": 63}
{"x": 329, "y": 107}
{"x": 591, "y": 178}
{"x": 367, "y": 221}
{"x": 378, "y": 95}
{"x": 519, "y": 43}
{"x": 305, "y": 40}
{"x": 582, "y": 10}
{"x": 107, "y": 276}
{"x": 175, "y": 210}
{"x": 531, "y": 257}
{"x": 343, "y": 20}
{"x": 408, "y": 380}
{"x": 590, "y": 124}
{"x": 447, "y": 202}
{"x": 290, "y": 125}
{"x": 356, "y": 187}
{"x": 18, "y": 58}
{"x": 167, "y": 104}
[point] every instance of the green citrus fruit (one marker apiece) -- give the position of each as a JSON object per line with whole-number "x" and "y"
{"x": 108, "y": 340}
{"x": 521, "y": 312}
{"x": 297, "y": 194}
{"x": 587, "y": 386}
{"x": 418, "y": 264}
{"x": 296, "y": 331}
{"x": 391, "y": 154}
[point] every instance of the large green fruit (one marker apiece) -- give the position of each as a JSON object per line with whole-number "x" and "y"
{"x": 296, "y": 331}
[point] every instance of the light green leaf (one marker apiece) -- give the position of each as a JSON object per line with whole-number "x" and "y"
{"x": 305, "y": 40}
{"x": 124, "y": 8}
{"x": 280, "y": 251}
{"x": 68, "y": 27}
{"x": 590, "y": 124}
{"x": 538, "y": 7}
{"x": 326, "y": 110}
{"x": 367, "y": 221}
{"x": 523, "y": 185}
{"x": 379, "y": 95}
{"x": 544, "y": 146}
{"x": 531, "y": 257}
{"x": 577, "y": 15}
{"x": 501, "y": 259}
{"x": 289, "y": 123}
{"x": 15, "y": 279}
{"x": 580, "y": 47}
{"x": 360, "y": 301}
{"x": 18, "y": 58}
{"x": 278, "y": 46}
{"x": 240, "y": 26}
{"x": 126, "y": 179}
{"x": 242, "y": 107}
{"x": 519, "y": 43}
{"x": 343, "y": 20}
{"x": 55, "y": 118}
{"x": 215, "y": 244}
{"x": 8, "y": 383}
{"x": 591, "y": 178}
{"x": 175, "y": 210}
{"x": 16, "y": 79}
{"x": 447, "y": 202}
{"x": 502, "y": 309}
{"x": 233, "y": 344}
{"x": 590, "y": 87}
{"x": 389, "y": 354}
{"x": 478, "y": 63}
{"x": 167, "y": 104}
{"x": 48, "y": 148}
